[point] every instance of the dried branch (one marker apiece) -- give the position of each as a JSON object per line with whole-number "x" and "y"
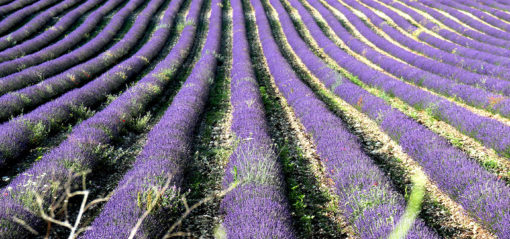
{"x": 59, "y": 204}
{"x": 222, "y": 193}
{"x": 25, "y": 225}
{"x": 149, "y": 209}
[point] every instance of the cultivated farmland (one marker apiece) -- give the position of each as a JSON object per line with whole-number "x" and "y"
{"x": 254, "y": 119}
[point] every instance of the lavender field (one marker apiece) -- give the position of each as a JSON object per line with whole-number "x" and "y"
{"x": 254, "y": 119}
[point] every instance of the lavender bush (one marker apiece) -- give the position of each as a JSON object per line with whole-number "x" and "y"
{"x": 82, "y": 148}
{"x": 419, "y": 62}
{"x": 14, "y": 46}
{"x": 369, "y": 202}
{"x": 479, "y": 192}
{"x": 38, "y": 22}
{"x": 38, "y": 73}
{"x": 12, "y": 6}
{"x": 20, "y": 134}
{"x": 481, "y": 15}
{"x": 458, "y": 27}
{"x": 459, "y": 38}
{"x": 486, "y": 130}
{"x": 167, "y": 150}
{"x": 492, "y": 55}
{"x": 493, "y": 11}
{"x": 473, "y": 65}
{"x": 16, "y": 16}
{"x": 29, "y": 97}
{"x": 468, "y": 20}
{"x": 258, "y": 207}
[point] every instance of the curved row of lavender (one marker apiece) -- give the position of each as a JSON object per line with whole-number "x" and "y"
{"x": 474, "y": 65}
{"x": 501, "y": 5}
{"x": 4, "y": 2}
{"x": 490, "y": 132}
{"x": 468, "y": 20}
{"x": 416, "y": 62}
{"x": 479, "y": 192}
{"x": 469, "y": 94}
{"x": 80, "y": 150}
{"x": 39, "y": 68}
{"x": 494, "y": 12}
{"x": 445, "y": 45}
{"x": 258, "y": 206}
{"x": 12, "y": 20}
{"x": 166, "y": 153}
{"x": 456, "y": 37}
{"x": 14, "y": 46}
{"x": 474, "y": 34}
{"x": 481, "y": 15}
{"x": 35, "y": 24}
{"x": 366, "y": 196}
{"x": 17, "y": 135}
{"x": 13, "y": 6}
{"x": 16, "y": 102}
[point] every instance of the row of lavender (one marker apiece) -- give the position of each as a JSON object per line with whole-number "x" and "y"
{"x": 470, "y": 64}
{"x": 16, "y": 44}
{"x": 470, "y": 21}
{"x": 454, "y": 172}
{"x": 480, "y": 14}
{"x": 256, "y": 208}
{"x": 12, "y": 6}
{"x": 41, "y": 67}
{"x": 486, "y": 130}
{"x": 470, "y": 32}
{"x": 167, "y": 149}
{"x": 19, "y": 16}
{"x": 458, "y": 82}
{"x": 453, "y": 36}
{"x": 19, "y": 134}
{"x": 491, "y": 12}
{"x": 37, "y": 22}
{"x": 445, "y": 40}
{"x": 429, "y": 65}
{"x": 15, "y": 102}
{"x": 79, "y": 151}
{"x": 366, "y": 196}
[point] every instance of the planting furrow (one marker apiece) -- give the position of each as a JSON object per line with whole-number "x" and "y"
{"x": 48, "y": 117}
{"x": 456, "y": 26}
{"x": 165, "y": 155}
{"x": 412, "y": 62}
{"x": 486, "y": 130}
{"x": 464, "y": 180}
{"x": 44, "y": 68}
{"x": 493, "y": 12}
{"x": 464, "y": 19}
{"x": 18, "y": 48}
{"x": 438, "y": 40}
{"x": 18, "y": 17}
{"x": 257, "y": 207}
{"x": 32, "y": 96}
{"x": 413, "y": 45}
{"x": 365, "y": 195}
{"x": 38, "y": 22}
{"x": 82, "y": 148}
{"x": 13, "y": 6}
